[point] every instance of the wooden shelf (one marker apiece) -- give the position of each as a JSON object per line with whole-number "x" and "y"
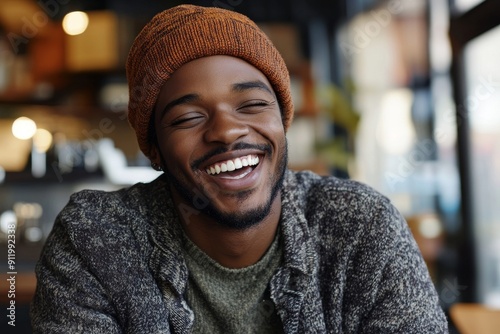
{"x": 475, "y": 318}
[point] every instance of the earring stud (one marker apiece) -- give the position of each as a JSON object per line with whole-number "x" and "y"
{"x": 156, "y": 166}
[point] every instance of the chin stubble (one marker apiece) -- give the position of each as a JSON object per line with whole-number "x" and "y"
{"x": 237, "y": 220}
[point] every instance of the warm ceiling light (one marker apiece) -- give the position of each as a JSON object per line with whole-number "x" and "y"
{"x": 42, "y": 140}
{"x": 75, "y": 23}
{"x": 23, "y": 128}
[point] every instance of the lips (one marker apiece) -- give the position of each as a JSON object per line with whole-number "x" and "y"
{"x": 231, "y": 165}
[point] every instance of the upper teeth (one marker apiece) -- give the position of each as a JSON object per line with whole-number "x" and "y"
{"x": 230, "y": 165}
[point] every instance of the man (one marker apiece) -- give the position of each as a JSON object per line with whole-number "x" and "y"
{"x": 227, "y": 240}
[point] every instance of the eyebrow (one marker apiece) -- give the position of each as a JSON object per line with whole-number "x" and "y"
{"x": 257, "y": 84}
{"x": 181, "y": 100}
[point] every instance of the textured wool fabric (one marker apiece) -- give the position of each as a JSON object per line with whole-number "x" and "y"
{"x": 113, "y": 264}
{"x": 185, "y": 33}
{"x": 232, "y": 300}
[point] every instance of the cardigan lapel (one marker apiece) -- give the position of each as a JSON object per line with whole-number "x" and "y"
{"x": 166, "y": 261}
{"x": 296, "y": 278}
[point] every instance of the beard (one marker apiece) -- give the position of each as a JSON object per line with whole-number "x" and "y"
{"x": 243, "y": 219}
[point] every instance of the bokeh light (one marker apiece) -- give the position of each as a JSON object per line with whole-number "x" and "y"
{"x": 75, "y": 23}
{"x": 23, "y": 128}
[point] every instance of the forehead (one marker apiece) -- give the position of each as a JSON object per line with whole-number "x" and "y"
{"x": 209, "y": 74}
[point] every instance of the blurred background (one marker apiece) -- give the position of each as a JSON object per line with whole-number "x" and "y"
{"x": 403, "y": 95}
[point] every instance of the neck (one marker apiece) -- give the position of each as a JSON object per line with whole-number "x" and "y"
{"x": 234, "y": 248}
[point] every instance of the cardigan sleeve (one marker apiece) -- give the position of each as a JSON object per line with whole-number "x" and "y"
{"x": 404, "y": 299}
{"x": 68, "y": 298}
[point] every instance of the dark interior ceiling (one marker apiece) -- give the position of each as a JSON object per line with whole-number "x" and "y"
{"x": 259, "y": 10}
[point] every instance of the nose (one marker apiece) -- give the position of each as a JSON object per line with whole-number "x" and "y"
{"x": 225, "y": 127}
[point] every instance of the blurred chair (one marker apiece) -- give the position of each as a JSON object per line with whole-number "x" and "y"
{"x": 428, "y": 231}
{"x": 475, "y": 319}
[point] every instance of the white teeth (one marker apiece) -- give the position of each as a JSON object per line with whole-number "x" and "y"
{"x": 237, "y": 163}
{"x": 231, "y": 165}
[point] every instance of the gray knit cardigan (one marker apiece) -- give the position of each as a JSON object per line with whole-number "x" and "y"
{"x": 113, "y": 264}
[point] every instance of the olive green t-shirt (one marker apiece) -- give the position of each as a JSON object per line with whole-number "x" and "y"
{"x": 232, "y": 300}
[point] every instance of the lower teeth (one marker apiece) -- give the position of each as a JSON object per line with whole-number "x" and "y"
{"x": 239, "y": 174}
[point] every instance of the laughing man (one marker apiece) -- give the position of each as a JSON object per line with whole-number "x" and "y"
{"x": 227, "y": 239}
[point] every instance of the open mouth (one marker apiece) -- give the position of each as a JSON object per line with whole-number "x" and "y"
{"x": 236, "y": 168}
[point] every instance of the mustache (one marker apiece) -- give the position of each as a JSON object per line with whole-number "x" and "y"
{"x": 223, "y": 149}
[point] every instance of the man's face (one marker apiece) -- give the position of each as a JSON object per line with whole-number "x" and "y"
{"x": 222, "y": 140}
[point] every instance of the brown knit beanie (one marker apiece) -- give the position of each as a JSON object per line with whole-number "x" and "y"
{"x": 185, "y": 33}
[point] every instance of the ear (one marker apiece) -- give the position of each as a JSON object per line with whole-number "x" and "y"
{"x": 155, "y": 158}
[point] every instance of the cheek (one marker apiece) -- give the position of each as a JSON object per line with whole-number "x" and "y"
{"x": 277, "y": 128}
{"x": 276, "y": 123}
{"x": 176, "y": 151}
{"x": 271, "y": 127}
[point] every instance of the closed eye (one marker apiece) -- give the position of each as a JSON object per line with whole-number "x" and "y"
{"x": 186, "y": 121}
{"x": 259, "y": 104}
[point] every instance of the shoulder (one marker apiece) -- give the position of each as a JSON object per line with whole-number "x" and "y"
{"x": 100, "y": 244}
{"x": 98, "y": 219}
{"x": 108, "y": 207}
{"x": 333, "y": 194}
{"x": 347, "y": 212}
{"x": 98, "y": 202}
